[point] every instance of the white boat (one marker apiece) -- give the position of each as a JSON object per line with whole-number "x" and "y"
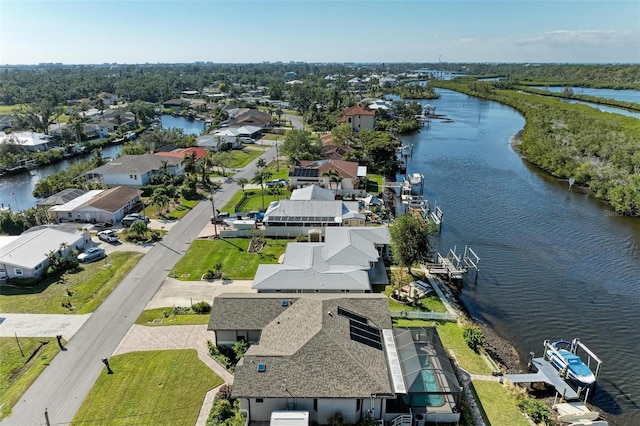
{"x": 416, "y": 179}
{"x": 560, "y": 355}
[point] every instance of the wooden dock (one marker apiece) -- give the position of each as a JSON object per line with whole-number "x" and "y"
{"x": 545, "y": 372}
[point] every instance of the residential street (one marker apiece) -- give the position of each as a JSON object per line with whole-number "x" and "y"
{"x": 64, "y": 385}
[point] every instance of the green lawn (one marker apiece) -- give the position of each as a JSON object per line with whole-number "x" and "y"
{"x": 374, "y": 183}
{"x": 164, "y": 314}
{"x": 16, "y": 375}
{"x": 237, "y": 264}
{"x": 9, "y": 109}
{"x": 254, "y": 201}
{"x": 451, "y": 335}
{"x": 178, "y": 212}
{"x": 88, "y": 286}
{"x": 243, "y": 157}
{"x": 149, "y": 388}
{"x": 498, "y": 405}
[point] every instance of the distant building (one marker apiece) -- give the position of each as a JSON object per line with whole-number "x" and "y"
{"x": 31, "y": 141}
{"x": 359, "y": 119}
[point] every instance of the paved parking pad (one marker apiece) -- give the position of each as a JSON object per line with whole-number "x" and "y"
{"x": 37, "y": 325}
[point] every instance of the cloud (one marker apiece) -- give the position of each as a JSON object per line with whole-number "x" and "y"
{"x": 571, "y": 38}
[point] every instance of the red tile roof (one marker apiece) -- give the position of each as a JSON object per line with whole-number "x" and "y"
{"x": 358, "y": 110}
{"x": 181, "y": 153}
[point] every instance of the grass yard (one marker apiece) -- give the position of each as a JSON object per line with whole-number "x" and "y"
{"x": 254, "y": 199}
{"x": 498, "y": 405}
{"x": 451, "y": 335}
{"x": 237, "y": 264}
{"x": 149, "y": 388}
{"x": 243, "y": 157}
{"x": 374, "y": 183}
{"x": 16, "y": 375}
{"x": 9, "y": 109}
{"x": 177, "y": 211}
{"x": 147, "y": 317}
{"x": 88, "y": 286}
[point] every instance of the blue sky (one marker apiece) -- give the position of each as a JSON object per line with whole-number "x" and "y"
{"x": 138, "y": 31}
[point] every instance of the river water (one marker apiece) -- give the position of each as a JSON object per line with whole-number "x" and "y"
{"x": 22, "y": 185}
{"x": 554, "y": 264}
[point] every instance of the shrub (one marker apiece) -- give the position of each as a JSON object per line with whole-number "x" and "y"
{"x": 537, "y": 410}
{"x": 474, "y": 337}
{"x": 201, "y": 308}
{"x": 225, "y": 391}
{"x": 301, "y": 239}
{"x": 239, "y": 348}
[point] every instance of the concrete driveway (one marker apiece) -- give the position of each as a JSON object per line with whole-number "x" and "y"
{"x": 182, "y": 293}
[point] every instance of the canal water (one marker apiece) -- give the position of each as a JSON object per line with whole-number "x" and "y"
{"x": 554, "y": 264}
{"x": 22, "y": 185}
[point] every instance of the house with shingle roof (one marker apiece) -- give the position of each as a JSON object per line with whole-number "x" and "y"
{"x": 320, "y": 353}
{"x": 108, "y": 205}
{"x": 134, "y": 170}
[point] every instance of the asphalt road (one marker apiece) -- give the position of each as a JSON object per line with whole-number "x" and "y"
{"x": 65, "y": 383}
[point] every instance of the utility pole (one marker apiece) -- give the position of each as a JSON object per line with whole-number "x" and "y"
{"x": 215, "y": 215}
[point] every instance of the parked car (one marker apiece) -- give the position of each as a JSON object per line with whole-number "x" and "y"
{"x": 220, "y": 217}
{"x": 94, "y": 253}
{"x": 130, "y": 218}
{"x": 276, "y": 183}
{"x": 103, "y": 225}
{"x": 110, "y": 236}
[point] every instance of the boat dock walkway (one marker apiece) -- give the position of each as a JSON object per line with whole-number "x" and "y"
{"x": 545, "y": 373}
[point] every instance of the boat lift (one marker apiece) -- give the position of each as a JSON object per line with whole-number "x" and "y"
{"x": 454, "y": 265}
{"x": 575, "y": 344}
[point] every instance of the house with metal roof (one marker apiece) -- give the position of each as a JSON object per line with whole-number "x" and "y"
{"x": 135, "y": 170}
{"x": 100, "y": 205}
{"x": 31, "y": 141}
{"x": 27, "y": 255}
{"x": 350, "y": 260}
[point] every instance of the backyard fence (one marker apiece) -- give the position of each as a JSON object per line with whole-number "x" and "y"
{"x": 436, "y": 316}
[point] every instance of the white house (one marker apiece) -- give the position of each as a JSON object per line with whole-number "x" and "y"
{"x": 27, "y": 255}
{"x": 350, "y": 260}
{"x": 311, "y": 210}
{"x": 31, "y": 141}
{"x": 135, "y": 170}
{"x": 109, "y": 205}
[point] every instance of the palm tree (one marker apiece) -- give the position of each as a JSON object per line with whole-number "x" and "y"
{"x": 261, "y": 177}
{"x": 261, "y": 164}
{"x": 242, "y": 182}
{"x": 159, "y": 199}
{"x": 333, "y": 176}
{"x": 96, "y": 158}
